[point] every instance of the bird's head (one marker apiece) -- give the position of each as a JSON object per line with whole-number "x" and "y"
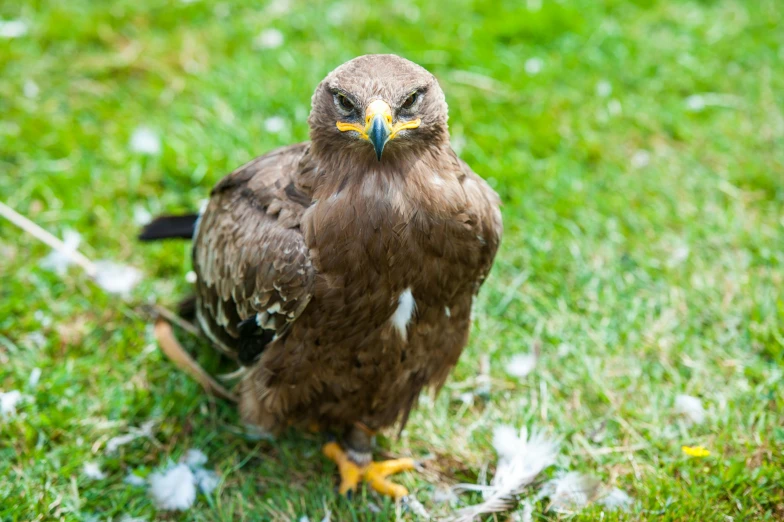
{"x": 382, "y": 104}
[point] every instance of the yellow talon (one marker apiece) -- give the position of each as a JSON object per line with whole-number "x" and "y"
{"x": 375, "y": 473}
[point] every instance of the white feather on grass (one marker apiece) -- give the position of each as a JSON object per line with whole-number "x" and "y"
{"x": 116, "y": 278}
{"x": 206, "y": 480}
{"x": 445, "y": 495}
{"x": 58, "y": 261}
{"x": 691, "y": 408}
{"x": 521, "y": 365}
{"x": 8, "y": 402}
{"x": 268, "y": 39}
{"x": 195, "y": 458}
{"x": 416, "y": 507}
{"x": 30, "y": 89}
{"x": 35, "y": 376}
{"x": 275, "y": 124}
{"x": 570, "y": 492}
{"x": 520, "y": 460}
{"x": 527, "y": 514}
{"x": 132, "y": 479}
{"x": 93, "y": 471}
{"x": 616, "y": 499}
{"x": 141, "y": 216}
{"x": 145, "y": 430}
{"x": 146, "y": 141}
{"x": 173, "y": 489}
{"x": 12, "y": 28}
{"x": 112, "y": 277}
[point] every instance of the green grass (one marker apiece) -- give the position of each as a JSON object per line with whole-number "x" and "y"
{"x": 640, "y": 279}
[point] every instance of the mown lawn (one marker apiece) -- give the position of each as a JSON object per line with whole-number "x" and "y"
{"x": 639, "y": 150}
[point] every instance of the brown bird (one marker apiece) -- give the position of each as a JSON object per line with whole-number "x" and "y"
{"x": 341, "y": 272}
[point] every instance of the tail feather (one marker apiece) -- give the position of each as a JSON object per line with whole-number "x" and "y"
{"x": 170, "y": 227}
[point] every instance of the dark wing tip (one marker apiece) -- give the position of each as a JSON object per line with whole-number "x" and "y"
{"x": 169, "y": 227}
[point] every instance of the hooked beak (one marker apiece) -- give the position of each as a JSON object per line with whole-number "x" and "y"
{"x": 378, "y": 133}
{"x": 378, "y": 129}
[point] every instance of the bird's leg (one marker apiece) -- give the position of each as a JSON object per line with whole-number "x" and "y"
{"x": 355, "y": 464}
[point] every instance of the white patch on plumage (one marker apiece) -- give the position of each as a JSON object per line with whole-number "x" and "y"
{"x": 405, "y": 310}
{"x": 448, "y": 312}
{"x": 265, "y": 320}
{"x": 261, "y": 319}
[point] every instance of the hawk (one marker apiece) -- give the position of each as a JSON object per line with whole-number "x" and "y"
{"x": 340, "y": 273}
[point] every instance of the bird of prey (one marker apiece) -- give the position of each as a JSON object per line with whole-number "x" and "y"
{"x": 340, "y": 273}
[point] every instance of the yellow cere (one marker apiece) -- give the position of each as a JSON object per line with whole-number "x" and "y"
{"x": 403, "y": 125}
{"x": 695, "y": 451}
{"x": 344, "y": 126}
{"x": 378, "y": 107}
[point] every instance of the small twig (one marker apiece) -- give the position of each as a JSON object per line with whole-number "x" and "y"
{"x": 163, "y": 330}
{"x": 176, "y": 319}
{"x": 44, "y": 236}
{"x": 177, "y": 354}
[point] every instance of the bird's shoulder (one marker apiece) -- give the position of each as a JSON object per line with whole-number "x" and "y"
{"x": 278, "y": 183}
{"x": 482, "y": 204}
{"x": 483, "y": 213}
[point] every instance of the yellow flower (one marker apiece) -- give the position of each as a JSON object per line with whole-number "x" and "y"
{"x": 695, "y": 451}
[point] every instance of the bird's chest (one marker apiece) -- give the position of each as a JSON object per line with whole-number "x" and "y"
{"x": 376, "y": 243}
{"x": 375, "y": 246}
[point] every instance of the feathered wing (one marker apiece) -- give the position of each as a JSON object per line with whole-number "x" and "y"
{"x": 475, "y": 246}
{"x": 484, "y": 209}
{"x": 254, "y": 267}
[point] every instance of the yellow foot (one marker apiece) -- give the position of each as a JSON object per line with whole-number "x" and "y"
{"x": 375, "y": 473}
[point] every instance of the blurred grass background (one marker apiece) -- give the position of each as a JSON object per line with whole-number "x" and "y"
{"x": 639, "y": 150}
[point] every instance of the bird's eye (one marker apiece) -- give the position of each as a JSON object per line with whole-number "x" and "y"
{"x": 344, "y": 103}
{"x": 411, "y": 100}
